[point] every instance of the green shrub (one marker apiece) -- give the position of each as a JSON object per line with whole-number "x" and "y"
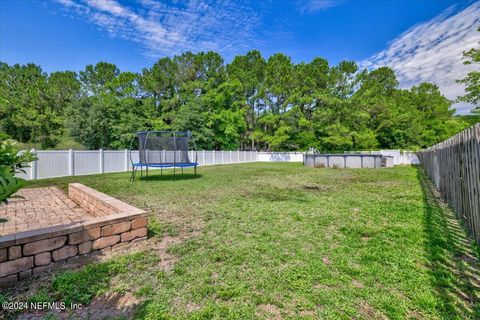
{"x": 12, "y": 161}
{"x": 11, "y": 157}
{"x": 8, "y": 184}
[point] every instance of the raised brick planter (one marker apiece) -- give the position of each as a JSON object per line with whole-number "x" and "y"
{"x": 114, "y": 223}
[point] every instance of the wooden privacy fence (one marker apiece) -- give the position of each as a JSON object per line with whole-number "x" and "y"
{"x": 454, "y": 167}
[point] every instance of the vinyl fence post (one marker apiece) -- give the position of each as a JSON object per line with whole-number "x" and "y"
{"x": 238, "y": 156}
{"x": 214, "y": 157}
{"x": 126, "y": 160}
{"x": 101, "y": 160}
{"x": 33, "y": 167}
{"x": 71, "y": 169}
{"x": 223, "y": 159}
{"x": 203, "y": 155}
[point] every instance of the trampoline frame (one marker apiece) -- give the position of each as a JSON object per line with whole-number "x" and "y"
{"x": 162, "y": 165}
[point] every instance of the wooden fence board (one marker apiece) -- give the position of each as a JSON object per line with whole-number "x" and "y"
{"x": 454, "y": 167}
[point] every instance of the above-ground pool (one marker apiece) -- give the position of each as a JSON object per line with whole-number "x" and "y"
{"x": 319, "y": 160}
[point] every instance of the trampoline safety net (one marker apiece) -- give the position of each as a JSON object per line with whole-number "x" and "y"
{"x": 163, "y": 149}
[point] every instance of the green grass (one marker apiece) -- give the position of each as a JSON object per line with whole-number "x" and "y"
{"x": 81, "y": 286}
{"x": 268, "y": 240}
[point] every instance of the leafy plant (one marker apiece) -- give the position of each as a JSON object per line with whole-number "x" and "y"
{"x": 11, "y": 157}
{"x": 12, "y": 161}
{"x": 8, "y": 184}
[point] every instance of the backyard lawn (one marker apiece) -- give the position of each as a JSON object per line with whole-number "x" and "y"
{"x": 279, "y": 241}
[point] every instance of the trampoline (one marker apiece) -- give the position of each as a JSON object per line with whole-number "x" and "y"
{"x": 163, "y": 149}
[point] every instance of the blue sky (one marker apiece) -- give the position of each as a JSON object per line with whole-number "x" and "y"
{"x": 409, "y": 35}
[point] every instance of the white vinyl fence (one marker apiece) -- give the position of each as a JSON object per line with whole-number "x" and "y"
{"x": 399, "y": 157}
{"x": 280, "y": 156}
{"x": 61, "y": 163}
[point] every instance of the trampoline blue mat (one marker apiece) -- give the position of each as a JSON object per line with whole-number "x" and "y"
{"x": 166, "y": 165}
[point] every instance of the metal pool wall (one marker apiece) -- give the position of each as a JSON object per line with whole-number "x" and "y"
{"x": 347, "y": 160}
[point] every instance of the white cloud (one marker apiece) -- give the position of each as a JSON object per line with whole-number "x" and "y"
{"x": 432, "y": 52}
{"x": 165, "y": 29}
{"x": 312, "y": 6}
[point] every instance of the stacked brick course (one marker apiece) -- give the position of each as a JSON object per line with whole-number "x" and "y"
{"x": 115, "y": 223}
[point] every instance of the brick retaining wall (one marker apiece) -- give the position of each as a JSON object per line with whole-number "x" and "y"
{"x": 114, "y": 223}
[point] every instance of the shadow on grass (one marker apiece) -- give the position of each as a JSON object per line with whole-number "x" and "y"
{"x": 453, "y": 261}
{"x": 168, "y": 177}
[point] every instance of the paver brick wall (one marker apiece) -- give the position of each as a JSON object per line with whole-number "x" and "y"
{"x": 114, "y": 224}
{"x": 96, "y": 203}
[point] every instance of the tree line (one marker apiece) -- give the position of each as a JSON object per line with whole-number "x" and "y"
{"x": 251, "y": 103}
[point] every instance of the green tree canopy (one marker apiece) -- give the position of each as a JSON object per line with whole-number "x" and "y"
{"x": 250, "y": 103}
{"x": 472, "y": 80}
